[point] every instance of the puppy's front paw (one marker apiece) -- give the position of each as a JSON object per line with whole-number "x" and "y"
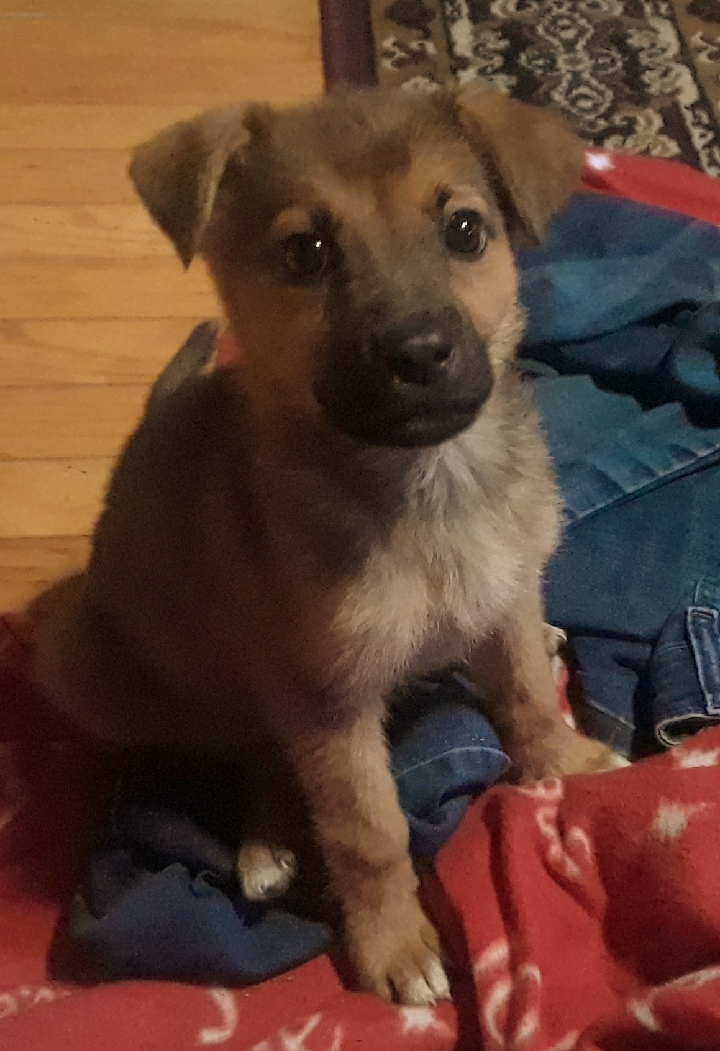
{"x": 265, "y": 872}
{"x": 596, "y": 759}
{"x": 399, "y": 957}
{"x": 565, "y": 752}
{"x": 585, "y": 756}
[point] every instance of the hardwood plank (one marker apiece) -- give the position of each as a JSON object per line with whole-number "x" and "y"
{"x": 92, "y": 301}
{"x": 87, "y": 127}
{"x": 65, "y": 177}
{"x": 59, "y": 60}
{"x": 105, "y": 231}
{"x": 295, "y": 13}
{"x": 130, "y": 288}
{"x": 109, "y": 350}
{"x": 40, "y": 498}
{"x": 27, "y": 566}
{"x": 50, "y": 422}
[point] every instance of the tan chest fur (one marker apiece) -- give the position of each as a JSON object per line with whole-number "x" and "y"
{"x": 452, "y": 564}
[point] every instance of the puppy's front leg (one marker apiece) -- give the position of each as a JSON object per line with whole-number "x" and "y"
{"x": 513, "y": 669}
{"x": 344, "y": 772}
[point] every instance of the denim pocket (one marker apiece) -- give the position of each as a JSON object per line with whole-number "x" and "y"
{"x": 685, "y": 667}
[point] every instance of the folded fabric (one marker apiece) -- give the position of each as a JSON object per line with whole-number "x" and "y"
{"x": 581, "y": 915}
{"x": 590, "y": 907}
{"x": 622, "y": 353}
{"x": 606, "y": 263}
{"x": 161, "y": 898}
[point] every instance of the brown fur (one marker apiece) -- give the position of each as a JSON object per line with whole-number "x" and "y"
{"x": 259, "y": 573}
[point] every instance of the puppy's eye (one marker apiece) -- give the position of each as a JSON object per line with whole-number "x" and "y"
{"x": 305, "y": 256}
{"x": 465, "y": 233}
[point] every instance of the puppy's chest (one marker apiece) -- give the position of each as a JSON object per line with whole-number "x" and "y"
{"x": 425, "y": 596}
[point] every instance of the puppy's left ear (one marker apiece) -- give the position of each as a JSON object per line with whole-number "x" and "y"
{"x": 177, "y": 173}
{"x": 534, "y": 159}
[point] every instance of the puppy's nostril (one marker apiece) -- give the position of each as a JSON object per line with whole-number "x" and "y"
{"x": 420, "y": 360}
{"x": 405, "y": 368}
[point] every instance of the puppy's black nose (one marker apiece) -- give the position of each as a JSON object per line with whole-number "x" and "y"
{"x": 417, "y": 351}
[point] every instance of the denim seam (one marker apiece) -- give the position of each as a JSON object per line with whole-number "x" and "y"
{"x": 702, "y": 627}
{"x": 706, "y": 592}
{"x": 671, "y": 647}
{"x": 486, "y": 749}
{"x": 611, "y": 715}
{"x": 660, "y": 479}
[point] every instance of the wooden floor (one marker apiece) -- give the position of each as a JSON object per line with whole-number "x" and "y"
{"x": 92, "y": 301}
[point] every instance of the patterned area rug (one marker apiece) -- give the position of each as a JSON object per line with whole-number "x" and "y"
{"x": 636, "y": 75}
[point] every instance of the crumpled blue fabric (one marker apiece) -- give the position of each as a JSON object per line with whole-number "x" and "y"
{"x": 161, "y": 899}
{"x": 622, "y": 351}
{"x": 443, "y": 752}
{"x": 607, "y": 263}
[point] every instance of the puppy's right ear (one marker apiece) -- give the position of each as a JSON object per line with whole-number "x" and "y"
{"x": 533, "y": 158}
{"x": 178, "y": 172}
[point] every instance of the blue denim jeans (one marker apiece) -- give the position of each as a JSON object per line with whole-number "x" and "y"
{"x": 622, "y": 351}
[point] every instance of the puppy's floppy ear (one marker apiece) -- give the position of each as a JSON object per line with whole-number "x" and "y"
{"x": 178, "y": 172}
{"x": 534, "y": 158}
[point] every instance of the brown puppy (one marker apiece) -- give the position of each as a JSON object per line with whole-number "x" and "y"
{"x": 366, "y": 497}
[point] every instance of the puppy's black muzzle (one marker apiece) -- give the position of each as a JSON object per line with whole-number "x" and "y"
{"x": 414, "y": 382}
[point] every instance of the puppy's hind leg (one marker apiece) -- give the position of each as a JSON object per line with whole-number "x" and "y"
{"x": 265, "y": 869}
{"x": 81, "y": 670}
{"x": 266, "y": 864}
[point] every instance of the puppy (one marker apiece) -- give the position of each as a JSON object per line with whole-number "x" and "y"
{"x": 364, "y": 498}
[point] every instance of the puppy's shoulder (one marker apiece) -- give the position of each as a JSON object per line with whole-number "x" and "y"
{"x": 188, "y": 426}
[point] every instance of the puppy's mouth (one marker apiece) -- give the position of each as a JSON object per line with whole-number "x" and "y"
{"x": 427, "y": 426}
{"x": 378, "y": 413}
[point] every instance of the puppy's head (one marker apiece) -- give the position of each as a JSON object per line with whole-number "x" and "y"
{"x": 362, "y": 246}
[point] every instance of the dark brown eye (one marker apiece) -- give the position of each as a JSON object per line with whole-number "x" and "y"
{"x": 465, "y": 233}
{"x": 305, "y": 256}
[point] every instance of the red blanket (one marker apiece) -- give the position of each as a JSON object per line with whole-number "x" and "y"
{"x": 664, "y": 184}
{"x": 582, "y": 915}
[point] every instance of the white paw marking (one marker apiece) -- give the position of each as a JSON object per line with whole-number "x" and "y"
{"x": 417, "y": 991}
{"x": 437, "y": 980}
